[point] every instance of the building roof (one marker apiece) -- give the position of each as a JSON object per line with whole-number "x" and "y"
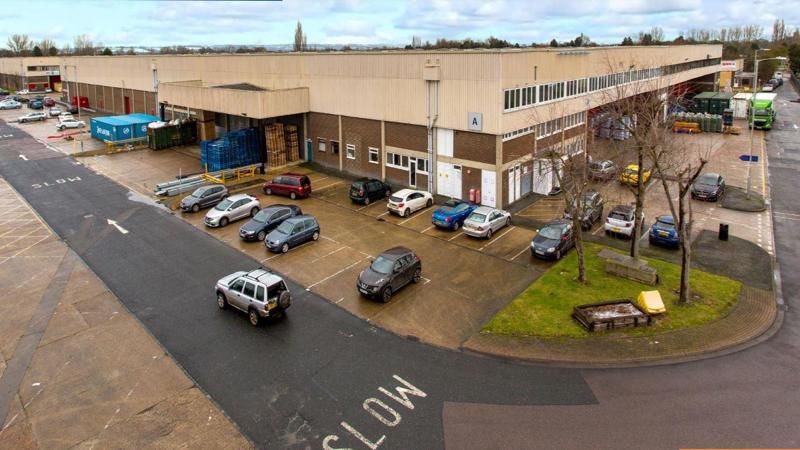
{"x": 241, "y": 87}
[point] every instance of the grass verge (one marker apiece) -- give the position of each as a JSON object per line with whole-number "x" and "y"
{"x": 544, "y": 309}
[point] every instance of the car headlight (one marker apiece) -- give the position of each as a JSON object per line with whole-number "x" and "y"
{"x": 551, "y": 250}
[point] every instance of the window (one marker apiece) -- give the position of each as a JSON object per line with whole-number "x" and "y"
{"x": 396, "y": 161}
{"x": 321, "y": 144}
{"x": 350, "y": 151}
{"x": 335, "y": 147}
{"x": 237, "y": 285}
{"x": 422, "y": 165}
{"x": 373, "y": 155}
{"x": 260, "y": 293}
{"x": 249, "y": 290}
{"x": 404, "y": 162}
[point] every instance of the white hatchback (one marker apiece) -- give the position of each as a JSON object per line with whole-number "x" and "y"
{"x": 406, "y": 201}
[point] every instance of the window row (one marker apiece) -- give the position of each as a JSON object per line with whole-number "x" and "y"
{"x": 402, "y": 162}
{"x": 549, "y": 127}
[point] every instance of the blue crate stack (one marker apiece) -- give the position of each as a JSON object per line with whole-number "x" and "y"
{"x": 234, "y": 149}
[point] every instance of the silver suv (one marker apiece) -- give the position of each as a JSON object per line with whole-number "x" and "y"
{"x": 259, "y": 293}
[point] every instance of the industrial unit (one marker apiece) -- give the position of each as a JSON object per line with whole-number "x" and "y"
{"x": 449, "y": 121}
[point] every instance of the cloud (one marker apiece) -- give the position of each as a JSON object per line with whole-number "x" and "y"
{"x": 652, "y": 7}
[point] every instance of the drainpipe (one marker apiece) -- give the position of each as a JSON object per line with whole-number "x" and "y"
{"x": 432, "y": 116}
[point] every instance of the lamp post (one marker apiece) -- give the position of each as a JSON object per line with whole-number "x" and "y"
{"x": 752, "y": 113}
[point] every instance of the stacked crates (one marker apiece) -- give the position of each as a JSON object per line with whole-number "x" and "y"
{"x": 276, "y": 145}
{"x": 235, "y": 149}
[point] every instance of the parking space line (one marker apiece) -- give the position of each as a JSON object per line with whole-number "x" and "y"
{"x": 427, "y": 280}
{"x": 327, "y": 186}
{"x": 426, "y": 229}
{"x": 381, "y": 215}
{"x": 271, "y": 257}
{"x": 413, "y": 216}
{"x": 318, "y": 179}
{"x": 328, "y": 254}
{"x": 459, "y": 234}
{"x": 335, "y": 274}
{"x": 496, "y": 238}
{"x": 527, "y": 247}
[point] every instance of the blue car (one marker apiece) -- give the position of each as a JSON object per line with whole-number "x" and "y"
{"x": 452, "y": 214}
{"x": 663, "y": 232}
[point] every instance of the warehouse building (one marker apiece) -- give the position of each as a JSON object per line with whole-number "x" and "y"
{"x": 448, "y": 121}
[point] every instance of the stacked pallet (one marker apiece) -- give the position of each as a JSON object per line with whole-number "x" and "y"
{"x": 292, "y": 143}
{"x": 235, "y": 149}
{"x": 276, "y": 145}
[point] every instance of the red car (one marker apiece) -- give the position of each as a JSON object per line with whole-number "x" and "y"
{"x": 48, "y": 102}
{"x": 290, "y": 184}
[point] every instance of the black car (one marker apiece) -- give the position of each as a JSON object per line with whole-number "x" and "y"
{"x": 366, "y": 190}
{"x": 590, "y": 209}
{"x": 554, "y": 240}
{"x": 389, "y": 272}
{"x": 35, "y": 104}
{"x": 709, "y": 186}
{"x": 257, "y": 228}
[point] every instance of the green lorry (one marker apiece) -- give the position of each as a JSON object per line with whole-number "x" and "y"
{"x": 762, "y": 110}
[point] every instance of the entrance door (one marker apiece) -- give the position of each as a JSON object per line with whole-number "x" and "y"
{"x": 517, "y": 180}
{"x": 488, "y": 188}
{"x": 309, "y": 150}
{"x": 511, "y": 190}
{"x": 412, "y": 172}
{"x": 127, "y": 105}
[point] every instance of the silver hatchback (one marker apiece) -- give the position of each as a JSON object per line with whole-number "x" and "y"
{"x": 259, "y": 293}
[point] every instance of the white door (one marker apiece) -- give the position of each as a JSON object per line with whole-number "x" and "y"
{"x": 488, "y": 188}
{"x": 455, "y": 181}
{"x": 542, "y": 177}
{"x": 443, "y": 178}
{"x": 444, "y": 142}
{"x": 511, "y": 191}
{"x": 517, "y": 180}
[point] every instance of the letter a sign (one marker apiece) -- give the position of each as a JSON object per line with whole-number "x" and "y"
{"x": 475, "y": 121}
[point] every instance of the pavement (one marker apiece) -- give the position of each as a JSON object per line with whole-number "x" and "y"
{"x": 77, "y": 370}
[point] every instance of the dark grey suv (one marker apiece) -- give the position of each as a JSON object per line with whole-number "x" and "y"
{"x": 590, "y": 209}
{"x": 204, "y": 197}
{"x": 389, "y": 272}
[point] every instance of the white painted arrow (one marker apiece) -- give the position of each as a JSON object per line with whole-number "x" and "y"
{"x": 23, "y": 157}
{"x": 119, "y": 228}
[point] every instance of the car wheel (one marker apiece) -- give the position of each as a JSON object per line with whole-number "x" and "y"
{"x": 195, "y": 208}
{"x": 254, "y": 211}
{"x": 268, "y": 191}
{"x": 293, "y": 196}
{"x": 366, "y": 201}
{"x": 417, "y": 275}
{"x": 407, "y": 212}
{"x": 429, "y": 203}
{"x": 60, "y": 128}
{"x": 262, "y": 235}
{"x": 456, "y": 226}
{"x": 489, "y": 234}
{"x": 223, "y": 221}
{"x": 222, "y": 302}
{"x": 255, "y": 319}
{"x": 508, "y": 222}
{"x": 284, "y": 248}
{"x": 388, "y": 193}
{"x": 386, "y": 296}
{"x": 315, "y": 236}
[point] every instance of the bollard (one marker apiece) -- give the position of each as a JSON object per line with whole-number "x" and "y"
{"x": 723, "y": 231}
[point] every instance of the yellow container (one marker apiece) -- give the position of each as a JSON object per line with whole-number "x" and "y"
{"x": 650, "y": 302}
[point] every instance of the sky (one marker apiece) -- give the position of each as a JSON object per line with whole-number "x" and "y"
{"x": 146, "y": 23}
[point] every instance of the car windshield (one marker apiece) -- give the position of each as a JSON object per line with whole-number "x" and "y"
{"x": 262, "y": 216}
{"x": 396, "y": 199}
{"x": 618, "y": 216}
{"x": 665, "y": 225}
{"x": 382, "y": 265}
{"x": 551, "y": 232}
{"x": 631, "y": 171}
{"x": 449, "y": 207}
{"x": 477, "y": 217}
{"x": 761, "y": 112}
{"x": 285, "y": 227}
{"x": 223, "y": 205}
{"x": 707, "y": 180}
{"x": 596, "y": 166}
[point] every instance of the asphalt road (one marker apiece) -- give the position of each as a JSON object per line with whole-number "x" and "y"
{"x": 293, "y": 383}
{"x": 318, "y": 373}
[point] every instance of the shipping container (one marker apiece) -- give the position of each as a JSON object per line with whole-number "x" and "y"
{"x": 719, "y": 103}
{"x": 740, "y": 103}
{"x": 121, "y": 128}
{"x": 700, "y": 101}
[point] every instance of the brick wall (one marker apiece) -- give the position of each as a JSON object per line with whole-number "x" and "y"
{"x": 362, "y": 133}
{"x": 412, "y": 137}
{"x": 470, "y": 179}
{"x": 474, "y": 146}
{"x": 324, "y": 126}
{"x": 516, "y": 148}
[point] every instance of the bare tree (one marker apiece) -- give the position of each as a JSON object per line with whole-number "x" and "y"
{"x": 20, "y": 44}
{"x": 82, "y": 45}
{"x": 46, "y": 44}
{"x": 300, "y": 44}
{"x": 657, "y": 34}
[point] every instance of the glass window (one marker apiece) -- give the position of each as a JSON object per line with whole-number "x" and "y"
{"x": 351, "y": 151}
{"x": 309, "y": 224}
{"x": 260, "y": 293}
{"x": 404, "y": 162}
{"x": 335, "y": 147}
{"x": 249, "y": 289}
{"x": 508, "y": 100}
{"x": 321, "y": 144}
{"x": 373, "y": 155}
{"x": 237, "y": 285}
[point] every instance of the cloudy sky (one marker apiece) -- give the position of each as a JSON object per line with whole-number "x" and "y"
{"x": 145, "y": 23}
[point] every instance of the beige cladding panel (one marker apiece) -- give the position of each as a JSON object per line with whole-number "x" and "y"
{"x": 255, "y": 104}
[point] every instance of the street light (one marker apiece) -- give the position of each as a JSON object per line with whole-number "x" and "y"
{"x": 752, "y": 112}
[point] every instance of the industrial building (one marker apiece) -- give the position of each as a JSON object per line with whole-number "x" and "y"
{"x": 445, "y": 120}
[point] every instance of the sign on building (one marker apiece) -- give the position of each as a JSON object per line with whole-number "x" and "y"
{"x": 732, "y": 65}
{"x": 475, "y": 121}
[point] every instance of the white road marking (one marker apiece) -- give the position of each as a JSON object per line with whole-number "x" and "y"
{"x": 412, "y": 216}
{"x": 24, "y": 158}
{"x": 271, "y": 257}
{"x": 527, "y": 248}
{"x": 116, "y": 225}
{"x": 328, "y": 254}
{"x": 427, "y": 280}
{"x": 339, "y": 301}
{"x": 329, "y": 239}
{"x": 496, "y": 238}
{"x": 387, "y": 212}
{"x": 335, "y": 274}
{"x": 459, "y": 234}
{"x": 426, "y": 229}
{"x": 327, "y": 186}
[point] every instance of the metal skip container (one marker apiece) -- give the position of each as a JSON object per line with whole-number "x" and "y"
{"x": 121, "y": 128}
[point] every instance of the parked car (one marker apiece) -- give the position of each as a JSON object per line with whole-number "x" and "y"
{"x": 292, "y": 232}
{"x": 291, "y": 184}
{"x": 259, "y": 293}
{"x": 768, "y": 87}
{"x": 630, "y": 175}
{"x": 452, "y": 214}
{"x": 65, "y": 115}
{"x": 23, "y": 92}
{"x": 553, "y": 240}
{"x": 69, "y": 122}
{"x": 232, "y": 208}
{"x": 35, "y": 104}
{"x": 663, "y": 232}
{"x": 10, "y": 104}
{"x": 55, "y": 111}
{"x": 709, "y": 186}
{"x": 407, "y": 201}
{"x": 389, "y": 272}
{"x": 16, "y": 98}
{"x": 366, "y": 190}
{"x": 590, "y": 207}
{"x": 203, "y": 197}
{"x": 33, "y": 117}
{"x": 48, "y": 102}
{"x": 266, "y": 220}
{"x": 603, "y": 170}
{"x": 485, "y": 220}
{"x": 3, "y": 92}
{"x": 620, "y": 221}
